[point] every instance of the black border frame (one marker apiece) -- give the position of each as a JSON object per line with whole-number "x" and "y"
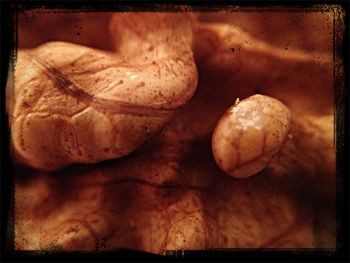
{"x": 9, "y": 11}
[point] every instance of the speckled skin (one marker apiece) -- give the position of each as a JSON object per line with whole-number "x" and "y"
{"x": 249, "y": 134}
{"x": 74, "y": 104}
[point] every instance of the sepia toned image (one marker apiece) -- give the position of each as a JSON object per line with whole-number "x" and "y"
{"x": 172, "y": 130}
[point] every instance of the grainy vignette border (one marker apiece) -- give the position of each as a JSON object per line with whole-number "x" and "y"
{"x": 340, "y": 119}
{"x": 340, "y": 52}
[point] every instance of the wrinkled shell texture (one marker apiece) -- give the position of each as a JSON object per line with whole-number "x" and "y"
{"x": 79, "y": 105}
{"x": 165, "y": 156}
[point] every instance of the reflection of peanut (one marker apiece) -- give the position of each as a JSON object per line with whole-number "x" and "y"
{"x": 249, "y": 134}
{"x": 73, "y": 104}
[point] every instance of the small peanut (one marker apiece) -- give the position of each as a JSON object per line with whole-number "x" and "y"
{"x": 249, "y": 134}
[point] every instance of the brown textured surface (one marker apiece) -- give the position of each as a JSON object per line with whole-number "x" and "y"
{"x": 74, "y": 104}
{"x": 286, "y": 28}
{"x": 169, "y": 194}
{"x": 38, "y": 26}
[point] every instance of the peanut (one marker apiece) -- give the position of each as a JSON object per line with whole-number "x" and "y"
{"x": 249, "y": 134}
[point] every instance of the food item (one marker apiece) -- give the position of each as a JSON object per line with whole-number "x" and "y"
{"x": 74, "y": 104}
{"x": 249, "y": 134}
{"x": 170, "y": 194}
